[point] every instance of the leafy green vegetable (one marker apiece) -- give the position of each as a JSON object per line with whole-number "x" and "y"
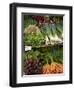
{"x": 31, "y": 55}
{"x": 28, "y": 20}
{"x": 33, "y": 39}
{"x": 59, "y": 30}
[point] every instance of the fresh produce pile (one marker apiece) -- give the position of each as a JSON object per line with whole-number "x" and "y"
{"x": 43, "y": 61}
{"x": 32, "y": 67}
{"x": 33, "y": 38}
{"x": 38, "y": 27}
{"x": 53, "y": 68}
{"x": 42, "y": 58}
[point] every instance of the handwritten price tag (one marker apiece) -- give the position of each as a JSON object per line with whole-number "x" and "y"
{"x": 27, "y": 48}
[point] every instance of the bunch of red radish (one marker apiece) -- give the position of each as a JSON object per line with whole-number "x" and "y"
{"x": 40, "y": 19}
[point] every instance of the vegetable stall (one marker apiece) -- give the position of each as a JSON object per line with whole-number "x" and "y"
{"x": 44, "y": 34}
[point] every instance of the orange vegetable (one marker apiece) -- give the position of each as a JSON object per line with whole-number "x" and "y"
{"x": 54, "y": 68}
{"x": 46, "y": 69}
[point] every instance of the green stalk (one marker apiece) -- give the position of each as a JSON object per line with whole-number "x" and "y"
{"x": 52, "y": 60}
{"x": 47, "y": 61}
